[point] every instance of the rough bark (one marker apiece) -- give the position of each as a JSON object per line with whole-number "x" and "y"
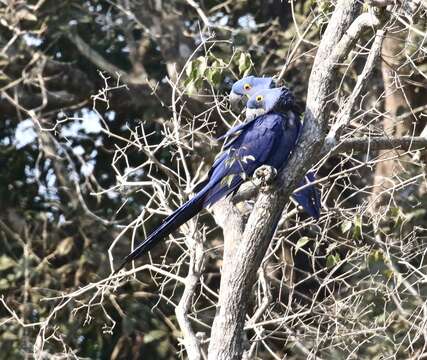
{"x": 189, "y": 338}
{"x": 395, "y": 104}
{"x": 231, "y": 220}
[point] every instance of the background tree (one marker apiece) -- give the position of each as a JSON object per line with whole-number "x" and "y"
{"x": 108, "y": 114}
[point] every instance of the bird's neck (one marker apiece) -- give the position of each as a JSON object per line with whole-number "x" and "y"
{"x": 281, "y": 109}
{"x": 286, "y": 103}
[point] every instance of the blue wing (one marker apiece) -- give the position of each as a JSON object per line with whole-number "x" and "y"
{"x": 268, "y": 140}
{"x": 309, "y": 197}
{"x": 234, "y": 130}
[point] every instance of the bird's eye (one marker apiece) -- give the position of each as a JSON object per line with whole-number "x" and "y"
{"x": 259, "y": 98}
{"x": 247, "y": 86}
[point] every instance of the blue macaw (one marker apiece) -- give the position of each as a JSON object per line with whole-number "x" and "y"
{"x": 265, "y": 140}
{"x": 248, "y": 87}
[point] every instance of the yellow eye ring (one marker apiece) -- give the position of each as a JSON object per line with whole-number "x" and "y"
{"x": 259, "y": 98}
{"x": 247, "y": 87}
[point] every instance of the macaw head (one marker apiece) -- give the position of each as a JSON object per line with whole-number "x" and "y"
{"x": 247, "y": 86}
{"x": 264, "y": 101}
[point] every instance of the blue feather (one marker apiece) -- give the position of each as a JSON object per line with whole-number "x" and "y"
{"x": 309, "y": 197}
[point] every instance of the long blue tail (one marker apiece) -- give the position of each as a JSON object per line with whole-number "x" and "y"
{"x": 309, "y": 197}
{"x": 180, "y": 216}
{"x": 209, "y": 193}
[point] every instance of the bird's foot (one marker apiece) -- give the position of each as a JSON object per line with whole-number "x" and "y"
{"x": 264, "y": 176}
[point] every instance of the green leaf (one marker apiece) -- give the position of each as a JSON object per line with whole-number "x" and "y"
{"x": 192, "y": 70}
{"x": 189, "y": 69}
{"x": 247, "y": 72}
{"x": 9, "y": 336}
{"x": 202, "y": 65}
{"x": 388, "y": 273}
{"x": 331, "y": 247}
{"x": 214, "y": 76}
{"x": 416, "y": 214}
{"x": 227, "y": 180}
{"x": 6, "y": 262}
{"x": 301, "y": 242}
{"x": 198, "y": 84}
{"x": 376, "y": 256}
{"x": 65, "y": 247}
{"x": 191, "y": 88}
{"x": 153, "y": 336}
{"x": 398, "y": 216}
{"x": 357, "y": 230}
{"x": 345, "y": 226}
{"x": 332, "y": 260}
{"x": 195, "y": 72}
{"x": 244, "y": 63}
{"x": 4, "y": 284}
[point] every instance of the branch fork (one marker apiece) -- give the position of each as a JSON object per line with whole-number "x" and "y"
{"x": 264, "y": 176}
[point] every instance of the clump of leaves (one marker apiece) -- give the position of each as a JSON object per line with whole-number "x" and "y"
{"x": 212, "y": 69}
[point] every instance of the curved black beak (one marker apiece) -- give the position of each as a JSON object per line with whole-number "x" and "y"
{"x": 235, "y": 101}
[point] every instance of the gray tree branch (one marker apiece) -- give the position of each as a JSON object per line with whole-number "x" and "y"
{"x": 363, "y": 144}
{"x": 103, "y": 64}
{"x": 378, "y": 143}
{"x": 344, "y": 114}
{"x": 190, "y": 339}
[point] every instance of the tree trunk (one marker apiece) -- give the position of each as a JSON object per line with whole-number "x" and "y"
{"x": 395, "y": 104}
